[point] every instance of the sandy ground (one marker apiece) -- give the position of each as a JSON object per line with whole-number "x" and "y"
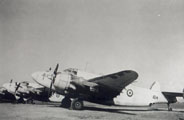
{"x": 44, "y": 111}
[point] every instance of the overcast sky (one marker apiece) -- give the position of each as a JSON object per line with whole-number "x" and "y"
{"x": 108, "y": 35}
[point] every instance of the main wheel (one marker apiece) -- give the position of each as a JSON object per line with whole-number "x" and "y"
{"x": 66, "y": 102}
{"x": 21, "y": 100}
{"x": 76, "y": 104}
{"x": 30, "y": 101}
{"x": 170, "y": 109}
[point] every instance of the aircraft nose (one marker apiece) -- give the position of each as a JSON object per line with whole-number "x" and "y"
{"x": 35, "y": 75}
{"x": 5, "y": 86}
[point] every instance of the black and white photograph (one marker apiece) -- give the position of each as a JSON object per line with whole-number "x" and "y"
{"x": 92, "y": 59}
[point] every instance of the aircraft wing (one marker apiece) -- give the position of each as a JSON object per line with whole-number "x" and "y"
{"x": 39, "y": 91}
{"x": 116, "y": 81}
{"x": 171, "y": 96}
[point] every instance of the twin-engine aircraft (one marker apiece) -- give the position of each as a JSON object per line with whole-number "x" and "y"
{"x": 5, "y": 96}
{"x": 23, "y": 92}
{"x": 112, "y": 89}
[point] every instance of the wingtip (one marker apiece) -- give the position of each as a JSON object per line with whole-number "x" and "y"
{"x": 135, "y": 74}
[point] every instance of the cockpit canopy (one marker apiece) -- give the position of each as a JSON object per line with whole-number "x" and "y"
{"x": 80, "y": 73}
{"x": 25, "y": 83}
{"x": 72, "y": 71}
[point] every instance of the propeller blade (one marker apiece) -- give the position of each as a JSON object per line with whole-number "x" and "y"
{"x": 50, "y": 89}
{"x": 56, "y": 69}
{"x": 53, "y": 80}
{"x": 55, "y": 73}
{"x": 18, "y": 85}
{"x": 11, "y": 82}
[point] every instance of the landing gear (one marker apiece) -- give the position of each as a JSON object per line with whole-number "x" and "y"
{"x": 21, "y": 100}
{"x": 150, "y": 104}
{"x": 76, "y": 104}
{"x": 66, "y": 102}
{"x": 30, "y": 101}
{"x": 169, "y": 107}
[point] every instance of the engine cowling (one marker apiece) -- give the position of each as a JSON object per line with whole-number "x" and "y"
{"x": 62, "y": 82}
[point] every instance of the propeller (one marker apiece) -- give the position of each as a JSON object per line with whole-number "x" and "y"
{"x": 11, "y": 81}
{"x": 17, "y": 86}
{"x": 53, "y": 80}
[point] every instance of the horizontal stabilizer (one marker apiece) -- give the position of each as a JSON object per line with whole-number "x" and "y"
{"x": 171, "y": 96}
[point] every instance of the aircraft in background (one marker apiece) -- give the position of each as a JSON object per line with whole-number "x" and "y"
{"x": 111, "y": 89}
{"x": 5, "y": 96}
{"x": 24, "y": 92}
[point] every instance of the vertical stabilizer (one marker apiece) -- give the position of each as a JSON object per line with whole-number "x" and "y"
{"x": 155, "y": 86}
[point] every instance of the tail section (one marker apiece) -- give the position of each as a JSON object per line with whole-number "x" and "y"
{"x": 155, "y": 87}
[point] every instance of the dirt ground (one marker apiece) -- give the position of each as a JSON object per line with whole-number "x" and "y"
{"x": 45, "y": 111}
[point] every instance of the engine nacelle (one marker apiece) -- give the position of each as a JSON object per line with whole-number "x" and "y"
{"x": 62, "y": 82}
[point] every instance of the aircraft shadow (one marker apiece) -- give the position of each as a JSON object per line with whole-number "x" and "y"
{"x": 117, "y": 110}
{"x": 111, "y": 110}
{"x": 157, "y": 109}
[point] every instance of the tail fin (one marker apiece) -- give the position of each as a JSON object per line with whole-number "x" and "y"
{"x": 155, "y": 86}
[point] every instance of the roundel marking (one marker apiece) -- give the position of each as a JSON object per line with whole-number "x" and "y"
{"x": 129, "y": 92}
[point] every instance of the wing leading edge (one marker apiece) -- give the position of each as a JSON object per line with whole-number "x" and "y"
{"x": 111, "y": 85}
{"x": 116, "y": 81}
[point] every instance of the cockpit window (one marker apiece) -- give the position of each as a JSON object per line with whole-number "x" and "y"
{"x": 71, "y": 71}
{"x": 25, "y": 83}
{"x": 48, "y": 75}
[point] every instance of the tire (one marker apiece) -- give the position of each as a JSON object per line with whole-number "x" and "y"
{"x": 30, "y": 101}
{"x": 77, "y": 104}
{"x": 21, "y": 100}
{"x": 170, "y": 109}
{"x": 66, "y": 102}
